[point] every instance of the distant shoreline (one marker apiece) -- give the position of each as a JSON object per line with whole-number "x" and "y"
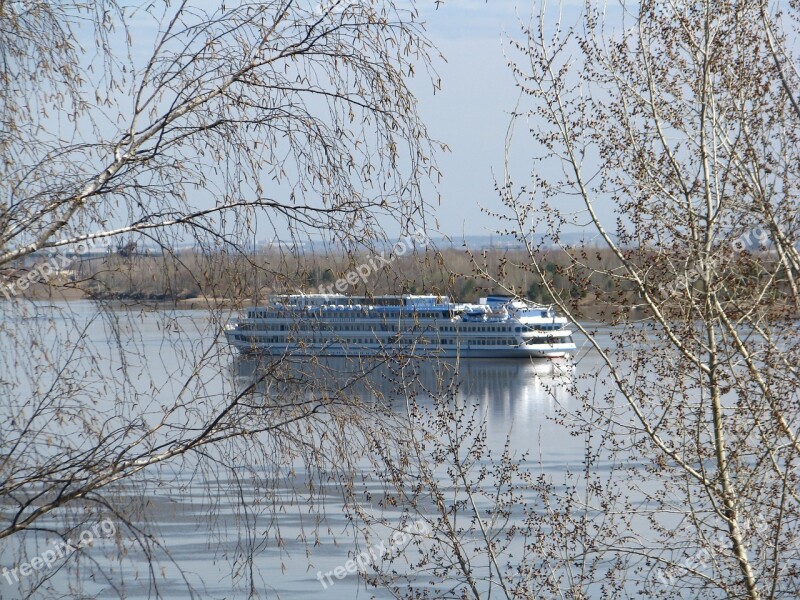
{"x": 43, "y": 292}
{"x": 586, "y": 309}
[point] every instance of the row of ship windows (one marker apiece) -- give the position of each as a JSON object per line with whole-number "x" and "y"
{"x": 492, "y": 328}
{"x": 444, "y": 341}
{"x": 495, "y": 328}
{"x": 370, "y": 328}
{"x": 360, "y": 314}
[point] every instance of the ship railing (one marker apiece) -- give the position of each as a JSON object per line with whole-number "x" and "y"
{"x": 540, "y": 333}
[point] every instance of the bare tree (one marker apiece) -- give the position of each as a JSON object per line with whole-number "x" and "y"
{"x": 668, "y": 130}
{"x": 259, "y": 105}
{"x": 158, "y": 124}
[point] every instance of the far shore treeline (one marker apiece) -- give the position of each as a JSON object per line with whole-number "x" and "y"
{"x": 200, "y": 279}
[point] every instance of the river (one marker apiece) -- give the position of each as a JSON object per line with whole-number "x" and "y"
{"x": 202, "y": 528}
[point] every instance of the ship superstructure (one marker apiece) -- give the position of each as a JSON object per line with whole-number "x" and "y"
{"x": 340, "y": 325}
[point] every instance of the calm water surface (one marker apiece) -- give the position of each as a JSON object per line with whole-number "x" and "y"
{"x": 517, "y": 399}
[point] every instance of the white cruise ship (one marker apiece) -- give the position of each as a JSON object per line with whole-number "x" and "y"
{"x": 340, "y": 325}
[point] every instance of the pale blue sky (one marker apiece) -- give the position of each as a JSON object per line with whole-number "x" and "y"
{"x": 471, "y": 113}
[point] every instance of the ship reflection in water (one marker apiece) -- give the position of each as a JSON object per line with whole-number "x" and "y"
{"x": 511, "y": 392}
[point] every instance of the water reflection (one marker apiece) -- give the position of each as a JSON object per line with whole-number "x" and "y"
{"x": 516, "y": 401}
{"x": 506, "y": 384}
{"x": 514, "y": 396}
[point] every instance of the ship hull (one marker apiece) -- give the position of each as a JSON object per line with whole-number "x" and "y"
{"x": 351, "y": 350}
